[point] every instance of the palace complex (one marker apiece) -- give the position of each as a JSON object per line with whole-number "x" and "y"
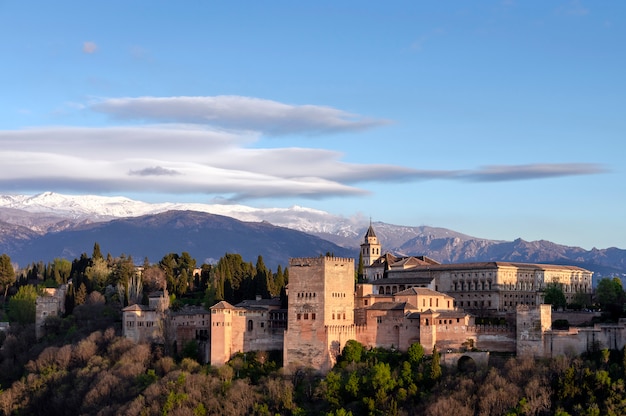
{"x": 399, "y": 302}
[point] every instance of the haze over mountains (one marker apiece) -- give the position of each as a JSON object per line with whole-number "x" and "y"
{"x": 50, "y": 225}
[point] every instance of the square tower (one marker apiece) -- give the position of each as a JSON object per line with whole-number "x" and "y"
{"x": 320, "y": 298}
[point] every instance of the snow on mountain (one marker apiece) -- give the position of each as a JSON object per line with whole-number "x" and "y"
{"x": 94, "y": 208}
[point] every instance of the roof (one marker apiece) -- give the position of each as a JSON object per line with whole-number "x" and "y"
{"x": 384, "y": 260}
{"x": 438, "y": 314}
{"x": 406, "y": 262}
{"x": 420, "y": 291}
{"x": 136, "y": 307}
{"x": 496, "y": 265}
{"x": 260, "y": 303}
{"x": 222, "y": 305}
{"x": 370, "y": 233}
{"x": 388, "y": 306}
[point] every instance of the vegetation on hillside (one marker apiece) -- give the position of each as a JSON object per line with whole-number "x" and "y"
{"x": 84, "y": 366}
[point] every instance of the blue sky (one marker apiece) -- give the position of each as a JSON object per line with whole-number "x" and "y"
{"x": 498, "y": 119}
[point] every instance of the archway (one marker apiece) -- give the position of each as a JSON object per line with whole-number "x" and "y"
{"x": 466, "y": 364}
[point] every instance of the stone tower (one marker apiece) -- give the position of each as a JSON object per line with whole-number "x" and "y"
{"x": 532, "y": 324}
{"x": 321, "y": 312}
{"x": 370, "y": 249}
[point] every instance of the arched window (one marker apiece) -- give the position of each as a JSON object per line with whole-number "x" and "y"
{"x": 250, "y": 325}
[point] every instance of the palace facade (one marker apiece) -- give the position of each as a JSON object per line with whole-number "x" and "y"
{"x": 401, "y": 301}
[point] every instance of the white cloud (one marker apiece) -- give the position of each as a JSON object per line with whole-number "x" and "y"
{"x": 236, "y": 112}
{"x": 191, "y": 158}
{"x": 89, "y": 47}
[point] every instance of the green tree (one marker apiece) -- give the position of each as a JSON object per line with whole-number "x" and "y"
{"x": 580, "y": 300}
{"x": 97, "y": 254}
{"x": 7, "y": 273}
{"x": 435, "y": 365}
{"x": 416, "y": 353}
{"x": 62, "y": 269}
{"x": 262, "y": 283}
{"x": 610, "y": 296}
{"x": 97, "y": 274}
{"x": 359, "y": 270}
{"x": 279, "y": 281}
{"x": 353, "y": 351}
{"x": 22, "y": 305}
{"x": 554, "y": 296}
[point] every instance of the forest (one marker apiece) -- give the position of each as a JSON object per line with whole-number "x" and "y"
{"x": 84, "y": 366}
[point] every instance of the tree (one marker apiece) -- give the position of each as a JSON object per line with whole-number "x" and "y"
{"x": 22, "y": 305}
{"x": 7, "y": 274}
{"x": 554, "y": 296}
{"x": 62, "y": 269}
{"x": 81, "y": 295}
{"x": 435, "y": 365}
{"x": 416, "y": 353}
{"x": 610, "y": 296}
{"x": 153, "y": 278}
{"x": 97, "y": 254}
{"x": 359, "y": 270}
{"x": 580, "y": 300}
{"x": 353, "y": 351}
{"x": 98, "y": 273}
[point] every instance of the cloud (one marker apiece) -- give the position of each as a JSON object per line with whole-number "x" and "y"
{"x": 203, "y": 158}
{"x": 187, "y": 159}
{"x": 535, "y": 171}
{"x": 89, "y": 47}
{"x": 154, "y": 171}
{"x": 239, "y": 113}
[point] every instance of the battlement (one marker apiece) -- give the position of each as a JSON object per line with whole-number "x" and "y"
{"x": 316, "y": 261}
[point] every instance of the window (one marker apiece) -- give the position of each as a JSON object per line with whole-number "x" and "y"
{"x": 306, "y": 316}
{"x": 313, "y": 316}
{"x": 298, "y": 316}
{"x": 250, "y": 325}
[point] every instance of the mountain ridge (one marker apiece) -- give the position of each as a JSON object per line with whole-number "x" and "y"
{"x": 26, "y": 219}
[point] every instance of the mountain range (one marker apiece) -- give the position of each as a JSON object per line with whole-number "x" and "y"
{"x": 49, "y": 225}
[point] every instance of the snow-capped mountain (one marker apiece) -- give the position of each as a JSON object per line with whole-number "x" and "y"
{"x": 50, "y": 220}
{"x": 92, "y": 208}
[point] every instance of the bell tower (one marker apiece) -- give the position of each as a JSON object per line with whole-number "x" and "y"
{"x": 370, "y": 249}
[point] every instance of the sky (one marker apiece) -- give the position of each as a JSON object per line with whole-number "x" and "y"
{"x": 497, "y": 119}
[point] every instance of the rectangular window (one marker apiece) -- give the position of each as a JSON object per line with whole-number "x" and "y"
{"x": 299, "y": 316}
{"x": 306, "y": 316}
{"x": 313, "y": 316}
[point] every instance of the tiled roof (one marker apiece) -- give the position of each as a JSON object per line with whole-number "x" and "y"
{"x": 421, "y": 291}
{"x": 370, "y": 233}
{"x": 222, "y": 305}
{"x": 387, "y": 306}
{"x": 136, "y": 307}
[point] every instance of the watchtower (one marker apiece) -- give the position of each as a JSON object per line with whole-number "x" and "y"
{"x": 320, "y": 304}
